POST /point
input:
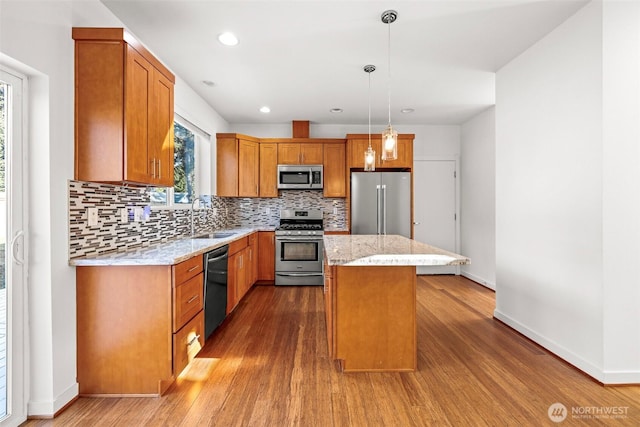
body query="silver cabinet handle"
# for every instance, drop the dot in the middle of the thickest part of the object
(192, 269)
(14, 248)
(416, 223)
(192, 299)
(159, 169)
(193, 340)
(153, 168)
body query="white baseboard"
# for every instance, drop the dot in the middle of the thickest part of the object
(605, 377)
(479, 280)
(48, 408)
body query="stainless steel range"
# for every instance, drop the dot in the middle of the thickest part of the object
(299, 248)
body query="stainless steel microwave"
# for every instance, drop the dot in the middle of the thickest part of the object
(300, 177)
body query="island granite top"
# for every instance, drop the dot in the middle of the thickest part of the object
(381, 250)
(168, 253)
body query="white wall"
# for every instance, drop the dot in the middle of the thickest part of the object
(567, 199)
(478, 198)
(37, 34)
(621, 191)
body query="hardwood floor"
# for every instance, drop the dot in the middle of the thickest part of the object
(268, 366)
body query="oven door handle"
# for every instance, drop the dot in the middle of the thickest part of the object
(299, 274)
(300, 239)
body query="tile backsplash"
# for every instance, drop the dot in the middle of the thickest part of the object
(162, 225)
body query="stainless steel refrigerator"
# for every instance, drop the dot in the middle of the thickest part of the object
(381, 203)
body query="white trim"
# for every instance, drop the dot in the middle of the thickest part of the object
(479, 280)
(48, 408)
(191, 126)
(17, 344)
(605, 377)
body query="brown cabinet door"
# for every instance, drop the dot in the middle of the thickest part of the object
(161, 121)
(252, 260)
(233, 278)
(269, 170)
(266, 255)
(248, 168)
(227, 167)
(405, 155)
(138, 97)
(99, 111)
(311, 154)
(334, 170)
(328, 306)
(358, 148)
(289, 154)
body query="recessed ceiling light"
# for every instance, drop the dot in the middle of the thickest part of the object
(228, 39)
(336, 110)
(265, 109)
(407, 110)
(208, 83)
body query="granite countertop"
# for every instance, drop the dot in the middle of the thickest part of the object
(168, 253)
(359, 250)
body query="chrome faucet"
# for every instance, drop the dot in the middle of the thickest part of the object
(196, 199)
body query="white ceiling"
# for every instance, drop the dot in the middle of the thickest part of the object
(302, 58)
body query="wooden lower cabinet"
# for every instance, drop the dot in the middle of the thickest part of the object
(266, 256)
(187, 342)
(242, 269)
(371, 317)
(137, 326)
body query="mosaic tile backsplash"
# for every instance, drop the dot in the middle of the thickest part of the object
(162, 225)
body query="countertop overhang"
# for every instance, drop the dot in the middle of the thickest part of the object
(168, 253)
(389, 250)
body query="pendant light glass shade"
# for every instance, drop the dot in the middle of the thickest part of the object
(389, 144)
(389, 136)
(369, 154)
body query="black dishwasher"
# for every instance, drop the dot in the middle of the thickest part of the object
(215, 289)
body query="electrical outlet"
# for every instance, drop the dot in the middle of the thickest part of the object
(124, 215)
(335, 211)
(137, 213)
(267, 211)
(215, 211)
(92, 217)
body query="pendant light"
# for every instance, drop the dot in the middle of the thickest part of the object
(389, 135)
(370, 154)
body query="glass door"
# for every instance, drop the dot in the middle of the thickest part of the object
(13, 358)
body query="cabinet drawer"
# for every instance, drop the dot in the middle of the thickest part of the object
(238, 245)
(187, 300)
(187, 342)
(186, 270)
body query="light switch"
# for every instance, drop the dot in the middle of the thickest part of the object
(124, 215)
(92, 217)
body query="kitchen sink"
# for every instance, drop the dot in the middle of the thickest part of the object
(216, 235)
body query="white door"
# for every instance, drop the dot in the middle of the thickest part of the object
(435, 213)
(13, 358)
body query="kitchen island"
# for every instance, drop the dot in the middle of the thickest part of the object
(370, 299)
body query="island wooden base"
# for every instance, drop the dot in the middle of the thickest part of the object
(371, 317)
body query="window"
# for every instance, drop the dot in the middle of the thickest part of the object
(191, 166)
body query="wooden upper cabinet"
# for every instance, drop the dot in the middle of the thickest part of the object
(237, 166)
(268, 170)
(334, 163)
(123, 110)
(292, 153)
(358, 144)
(248, 167)
(162, 125)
